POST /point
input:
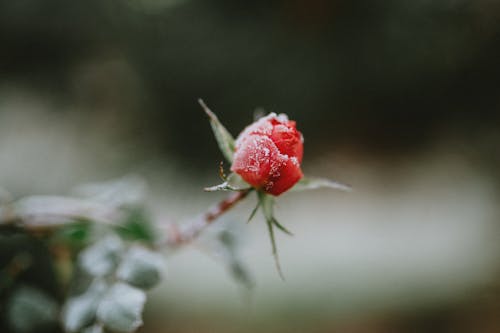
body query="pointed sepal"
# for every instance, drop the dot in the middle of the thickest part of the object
(313, 183)
(233, 182)
(224, 139)
(266, 202)
(254, 211)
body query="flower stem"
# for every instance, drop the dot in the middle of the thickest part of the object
(180, 235)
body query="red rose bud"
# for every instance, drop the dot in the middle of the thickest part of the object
(268, 154)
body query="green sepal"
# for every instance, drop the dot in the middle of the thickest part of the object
(267, 203)
(281, 227)
(254, 211)
(222, 135)
(233, 182)
(313, 183)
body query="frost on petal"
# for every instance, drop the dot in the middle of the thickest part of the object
(288, 140)
(256, 159)
(268, 154)
(289, 174)
(262, 127)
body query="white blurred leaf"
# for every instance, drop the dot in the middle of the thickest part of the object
(130, 190)
(102, 257)
(141, 267)
(80, 310)
(121, 309)
(54, 210)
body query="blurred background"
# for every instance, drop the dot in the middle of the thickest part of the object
(400, 99)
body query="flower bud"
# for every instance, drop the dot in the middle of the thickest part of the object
(268, 154)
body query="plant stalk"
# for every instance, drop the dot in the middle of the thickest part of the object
(180, 235)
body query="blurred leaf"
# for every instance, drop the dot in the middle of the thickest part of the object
(126, 191)
(141, 268)
(80, 311)
(93, 329)
(31, 310)
(229, 244)
(40, 211)
(241, 274)
(76, 235)
(137, 226)
(102, 257)
(223, 137)
(308, 183)
(228, 240)
(121, 308)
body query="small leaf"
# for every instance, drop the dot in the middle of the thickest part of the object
(316, 183)
(80, 310)
(31, 310)
(102, 257)
(223, 137)
(121, 309)
(141, 268)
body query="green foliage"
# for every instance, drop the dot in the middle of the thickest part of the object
(120, 271)
(31, 310)
(93, 329)
(137, 225)
(76, 235)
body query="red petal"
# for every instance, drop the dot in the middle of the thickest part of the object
(256, 159)
(288, 140)
(288, 175)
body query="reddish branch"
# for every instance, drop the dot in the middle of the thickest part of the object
(180, 235)
(47, 213)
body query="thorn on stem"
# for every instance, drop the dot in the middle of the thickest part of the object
(222, 174)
